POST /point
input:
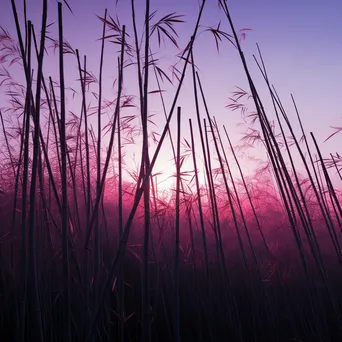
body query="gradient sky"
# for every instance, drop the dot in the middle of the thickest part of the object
(300, 41)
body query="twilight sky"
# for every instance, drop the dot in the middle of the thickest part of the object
(300, 41)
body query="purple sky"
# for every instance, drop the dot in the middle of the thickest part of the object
(300, 42)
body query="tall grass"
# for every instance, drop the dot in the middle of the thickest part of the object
(90, 255)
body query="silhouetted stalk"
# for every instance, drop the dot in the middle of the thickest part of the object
(206, 160)
(216, 216)
(83, 85)
(140, 79)
(57, 129)
(64, 182)
(24, 218)
(189, 210)
(98, 178)
(86, 277)
(160, 276)
(121, 284)
(33, 281)
(46, 240)
(176, 271)
(83, 176)
(204, 238)
(26, 27)
(79, 148)
(146, 319)
(203, 233)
